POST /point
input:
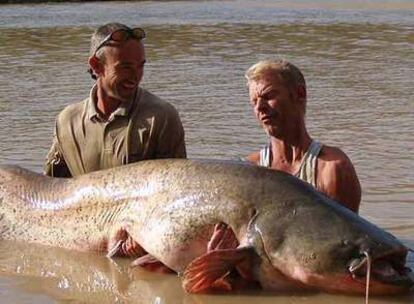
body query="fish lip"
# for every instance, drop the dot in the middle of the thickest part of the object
(387, 268)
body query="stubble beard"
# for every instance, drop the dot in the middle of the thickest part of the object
(271, 131)
(123, 98)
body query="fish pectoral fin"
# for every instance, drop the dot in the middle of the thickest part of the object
(223, 237)
(209, 271)
(122, 244)
(114, 249)
(149, 262)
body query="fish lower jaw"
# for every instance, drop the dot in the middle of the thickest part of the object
(385, 285)
(349, 284)
(387, 271)
(273, 278)
(300, 279)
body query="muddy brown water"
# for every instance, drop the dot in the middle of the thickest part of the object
(357, 57)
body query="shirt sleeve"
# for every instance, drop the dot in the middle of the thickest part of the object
(55, 165)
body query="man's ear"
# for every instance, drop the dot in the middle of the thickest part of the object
(95, 65)
(301, 92)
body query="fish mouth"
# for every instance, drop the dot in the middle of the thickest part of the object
(386, 269)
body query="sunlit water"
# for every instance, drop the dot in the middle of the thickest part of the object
(357, 58)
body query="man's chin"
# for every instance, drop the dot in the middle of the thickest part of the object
(270, 130)
(126, 95)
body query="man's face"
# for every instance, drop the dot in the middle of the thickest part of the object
(122, 70)
(275, 104)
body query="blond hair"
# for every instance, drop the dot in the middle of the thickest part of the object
(286, 71)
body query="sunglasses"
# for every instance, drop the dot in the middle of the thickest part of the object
(122, 35)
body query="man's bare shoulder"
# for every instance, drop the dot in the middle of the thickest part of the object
(334, 165)
(337, 177)
(333, 156)
(253, 158)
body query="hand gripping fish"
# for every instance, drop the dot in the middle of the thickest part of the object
(220, 225)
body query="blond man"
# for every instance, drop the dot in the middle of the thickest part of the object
(277, 92)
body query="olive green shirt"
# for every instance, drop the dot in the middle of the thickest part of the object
(146, 128)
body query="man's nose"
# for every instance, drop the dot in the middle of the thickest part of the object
(261, 104)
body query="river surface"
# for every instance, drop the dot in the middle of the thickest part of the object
(357, 57)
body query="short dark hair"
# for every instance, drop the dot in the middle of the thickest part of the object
(102, 32)
(98, 36)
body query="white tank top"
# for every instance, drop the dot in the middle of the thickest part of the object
(307, 170)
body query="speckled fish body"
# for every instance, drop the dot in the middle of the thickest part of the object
(171, 206)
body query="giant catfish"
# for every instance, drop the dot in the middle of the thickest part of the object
(289, 236)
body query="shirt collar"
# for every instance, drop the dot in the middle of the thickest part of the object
(123, 110)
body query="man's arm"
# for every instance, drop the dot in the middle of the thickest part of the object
(55, 165)
(337, 178)
(253, 158)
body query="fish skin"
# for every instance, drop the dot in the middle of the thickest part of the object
(170, 208)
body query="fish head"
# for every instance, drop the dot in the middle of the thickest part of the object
(327, 248)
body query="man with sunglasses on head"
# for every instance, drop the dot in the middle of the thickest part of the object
(120, 122)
